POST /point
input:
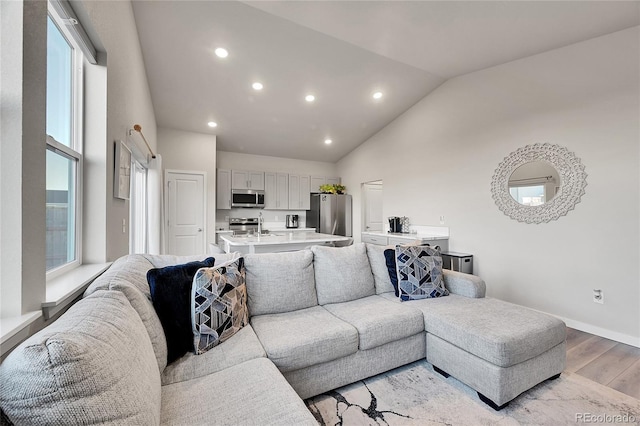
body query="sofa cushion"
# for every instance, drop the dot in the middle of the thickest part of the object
(128, 275)
(218, 304)
(305, 337)
(377, 320)
(342, 273)
(95, 364)
(171, 294)
(381, 279)
(251, 393)
(419, 271)
(499, 332)
(241, 347)
(280, 282)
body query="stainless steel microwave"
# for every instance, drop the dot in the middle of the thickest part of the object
(247, 198)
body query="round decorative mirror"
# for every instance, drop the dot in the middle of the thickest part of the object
(538, 183)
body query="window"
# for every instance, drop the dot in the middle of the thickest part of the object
(138, 209)
(533, 195)
(64, 149)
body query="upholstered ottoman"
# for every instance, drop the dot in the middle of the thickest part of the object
(497, 348)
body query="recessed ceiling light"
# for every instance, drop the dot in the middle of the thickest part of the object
(257, 86)
(221, 52)
(309, 98)
(212, 124)
(328, 141)
(377, 95)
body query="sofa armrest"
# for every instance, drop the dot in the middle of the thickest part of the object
(464, 284)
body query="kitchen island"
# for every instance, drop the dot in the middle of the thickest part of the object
(278, 241)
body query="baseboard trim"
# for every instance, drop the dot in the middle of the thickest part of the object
(602, 332)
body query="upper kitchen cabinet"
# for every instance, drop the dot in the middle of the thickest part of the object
(334, 181)
(223, 186)
(276, 191)
(243, 179)
(299, 192)
(317, 181)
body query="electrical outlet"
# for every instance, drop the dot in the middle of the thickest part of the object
(276, 218)
(124, 226)
(598, 296)
(442, 220)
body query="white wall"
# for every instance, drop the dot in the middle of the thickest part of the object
(128, 103)
(190, 151)
(438, 158)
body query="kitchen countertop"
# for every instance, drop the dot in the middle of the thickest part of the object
(420, 235)
(278, 241)
(272, 229)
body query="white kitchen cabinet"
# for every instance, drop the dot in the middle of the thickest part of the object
(316, 181)
(384, 239)
(243, 179)
(282, 191)
(299, 192)
(333, 181)
(305, 193)
(223, 189)
(374, 239)
(276, 191)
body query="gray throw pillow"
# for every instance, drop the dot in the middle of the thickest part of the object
(342, 273)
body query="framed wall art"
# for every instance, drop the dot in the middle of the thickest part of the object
(122, 171)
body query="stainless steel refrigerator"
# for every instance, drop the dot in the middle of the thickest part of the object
(330, 214)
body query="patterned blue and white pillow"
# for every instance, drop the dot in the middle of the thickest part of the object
(419, 270)
(218, 304)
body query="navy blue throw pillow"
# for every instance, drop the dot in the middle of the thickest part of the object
(390, 259)
(171, 295)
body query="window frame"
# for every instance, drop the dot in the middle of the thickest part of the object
(134, 207)
(75, 150)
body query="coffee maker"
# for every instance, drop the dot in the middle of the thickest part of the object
(292, 221)
(395, 224)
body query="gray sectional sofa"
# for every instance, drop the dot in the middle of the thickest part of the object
(319, 319)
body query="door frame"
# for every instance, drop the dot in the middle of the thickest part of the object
(364, 202)
(165, 188)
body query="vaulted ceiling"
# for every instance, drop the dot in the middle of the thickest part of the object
(342, 52)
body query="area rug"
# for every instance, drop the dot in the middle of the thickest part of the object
(417, 395)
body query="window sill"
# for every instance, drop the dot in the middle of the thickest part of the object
(15, 329)
(63, 290)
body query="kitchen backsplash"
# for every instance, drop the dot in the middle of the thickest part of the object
(272, 219)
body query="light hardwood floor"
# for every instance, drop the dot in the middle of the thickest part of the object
(605, 361)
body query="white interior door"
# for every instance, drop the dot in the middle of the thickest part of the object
(372, 206)
(186, 201)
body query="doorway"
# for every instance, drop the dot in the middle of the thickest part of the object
(372, 206)
(185, 207)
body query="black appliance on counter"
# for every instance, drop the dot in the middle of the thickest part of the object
(395, 224)
(292, 221)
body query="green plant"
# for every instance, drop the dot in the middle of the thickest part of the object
(332, 189)
(327, 189)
